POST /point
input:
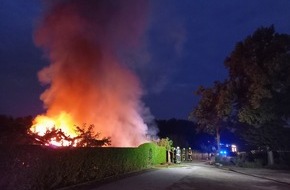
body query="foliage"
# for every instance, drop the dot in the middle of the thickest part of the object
(41, 167)
(165, 142)
(54, 133)
(251, 160)
(213, 108)
(156, 154)
(256, 93)
(259, 73)
(274, 137)
(14, 130)
(183, 133)
(86, 137)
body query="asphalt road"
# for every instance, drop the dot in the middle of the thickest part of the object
(190, 176)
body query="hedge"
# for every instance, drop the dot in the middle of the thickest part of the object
(39, 167)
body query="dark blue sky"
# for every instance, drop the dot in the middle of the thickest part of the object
(185, 45)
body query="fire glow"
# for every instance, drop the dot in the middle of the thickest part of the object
(87, 79)
(63, 122)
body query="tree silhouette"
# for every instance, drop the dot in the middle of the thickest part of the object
(87, 138)
(256, 94)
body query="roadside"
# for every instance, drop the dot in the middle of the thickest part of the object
(98, 183)
(280, 176)
(193, 175)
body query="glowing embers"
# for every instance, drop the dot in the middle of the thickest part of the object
(61, 131)
(57, 131)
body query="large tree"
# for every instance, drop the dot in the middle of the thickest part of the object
(257, 90)
(259, 73)
(213, 109)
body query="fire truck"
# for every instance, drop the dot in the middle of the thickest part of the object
(228, 149)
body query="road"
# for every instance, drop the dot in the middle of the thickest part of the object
(190, 176)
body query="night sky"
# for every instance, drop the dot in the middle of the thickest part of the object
(184, 47)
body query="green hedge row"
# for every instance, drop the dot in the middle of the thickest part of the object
(36, 167)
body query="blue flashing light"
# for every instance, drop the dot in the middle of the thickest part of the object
(223, 152)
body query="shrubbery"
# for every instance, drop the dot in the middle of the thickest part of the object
(39, 167)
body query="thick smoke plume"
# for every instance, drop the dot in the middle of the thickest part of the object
(87, 78)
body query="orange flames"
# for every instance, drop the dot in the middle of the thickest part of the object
(63, 122)
(88, 80)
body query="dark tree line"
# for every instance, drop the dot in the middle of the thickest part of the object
(255, 97)
(186, 134)
(181, 132)
(14, 130)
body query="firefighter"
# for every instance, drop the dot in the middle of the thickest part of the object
(173, 156)
(189, 154)
(183, 154)
(178, 155)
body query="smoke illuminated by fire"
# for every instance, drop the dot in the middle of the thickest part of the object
(87, 81)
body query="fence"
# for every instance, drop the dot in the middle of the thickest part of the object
(200, 156)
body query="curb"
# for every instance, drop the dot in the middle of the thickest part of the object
(257, 176)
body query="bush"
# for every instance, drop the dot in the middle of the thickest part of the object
(252, 160)
(39, 167)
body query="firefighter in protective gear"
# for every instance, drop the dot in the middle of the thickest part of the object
(189, 154)
(178, 155)
(173, 157)
(183, 155)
